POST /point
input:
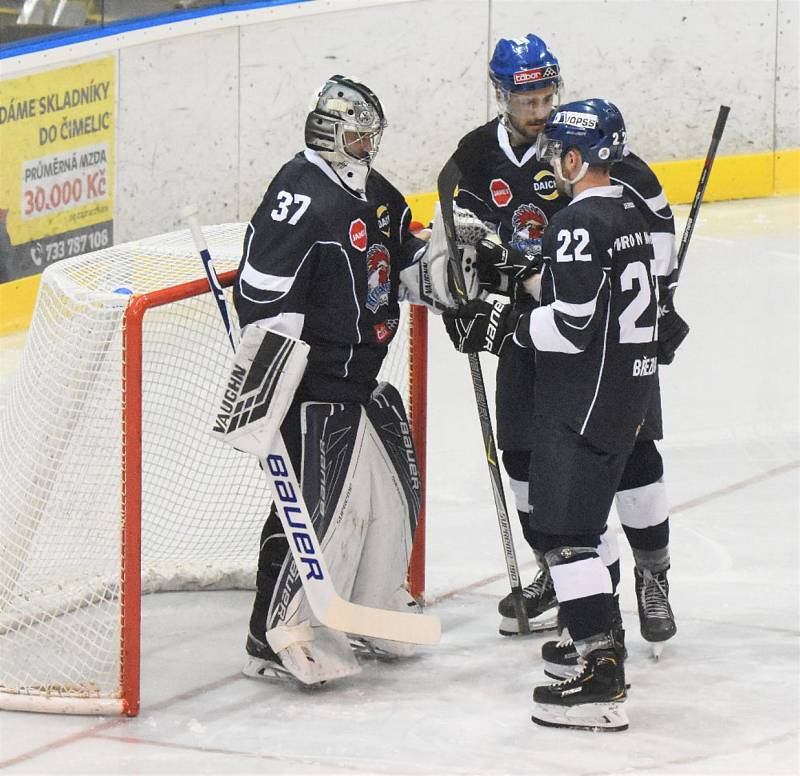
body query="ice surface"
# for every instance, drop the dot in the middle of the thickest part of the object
(724, 697)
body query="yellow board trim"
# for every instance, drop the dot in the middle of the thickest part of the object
(734, 177)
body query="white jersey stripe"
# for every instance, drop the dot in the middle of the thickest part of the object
(580, 579)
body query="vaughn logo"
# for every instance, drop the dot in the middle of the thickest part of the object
(500, 191)
(574, 119)
(358, 235)
(535, 74)
(377, 277)
(382, 214)
(528, 222)
(544, 184)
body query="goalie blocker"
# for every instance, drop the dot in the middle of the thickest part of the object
(267, 369)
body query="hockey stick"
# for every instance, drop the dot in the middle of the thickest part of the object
(326, 604)
(705, 173)
(446, 184)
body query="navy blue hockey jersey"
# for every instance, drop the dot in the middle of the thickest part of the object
(595, 332)
(322, 264)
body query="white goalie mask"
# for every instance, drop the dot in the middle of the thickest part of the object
(345, 125)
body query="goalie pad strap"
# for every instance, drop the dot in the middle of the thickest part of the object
(281, 636)
(267, 369)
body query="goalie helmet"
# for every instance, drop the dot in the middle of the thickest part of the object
(345, 125)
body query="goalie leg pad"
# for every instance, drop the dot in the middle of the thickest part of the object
(394, 508)
(267, 369)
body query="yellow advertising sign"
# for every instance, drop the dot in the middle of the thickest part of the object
(56, 165)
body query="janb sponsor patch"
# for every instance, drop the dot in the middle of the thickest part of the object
(358, 235)
(500, 191)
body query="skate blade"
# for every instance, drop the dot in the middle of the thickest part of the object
(258, 668)
(510, 627)
(368, 651)
(656, 648)
(593, 717)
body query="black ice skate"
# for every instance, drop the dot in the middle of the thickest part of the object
(588, 701)
(656, 620)
(540, 599)
(561, 659)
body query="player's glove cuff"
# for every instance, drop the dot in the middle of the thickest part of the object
(507, 260)
(479, 325)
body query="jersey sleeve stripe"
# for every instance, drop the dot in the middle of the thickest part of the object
(290, 324)
(263, 281)
(664, 250)
(545, 334)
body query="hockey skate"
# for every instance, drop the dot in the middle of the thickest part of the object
(262, 662)
(587, 701)
(561, 659)
(540, 599)
(656, 620)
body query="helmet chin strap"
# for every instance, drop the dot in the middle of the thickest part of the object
(569, 183)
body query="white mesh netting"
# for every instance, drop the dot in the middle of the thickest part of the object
(203, 504)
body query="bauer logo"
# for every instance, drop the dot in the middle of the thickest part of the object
(534, 74)
(573, 119)
(358, 235)
(544, 184)
(500, 191)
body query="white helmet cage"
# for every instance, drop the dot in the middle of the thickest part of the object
(341, 106)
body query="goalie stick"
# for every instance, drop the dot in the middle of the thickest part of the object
(705, 173)
(446, 184)
(326, 604)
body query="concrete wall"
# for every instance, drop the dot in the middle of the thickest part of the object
(210, 116)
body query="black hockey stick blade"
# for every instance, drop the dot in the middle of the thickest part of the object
(446, 184)
(705, 173)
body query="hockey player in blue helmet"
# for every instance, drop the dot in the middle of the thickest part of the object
(517, 195)
(527, 82)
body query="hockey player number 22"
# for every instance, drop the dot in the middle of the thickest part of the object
(628, 330)
(285, 199)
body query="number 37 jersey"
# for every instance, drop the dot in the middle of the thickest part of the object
(595, 333)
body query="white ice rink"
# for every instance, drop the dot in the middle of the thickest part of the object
(724, 697)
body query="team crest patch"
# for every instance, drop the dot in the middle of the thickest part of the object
(384, 332)
(358, 234)
(377, 277)
(528, 222)
(544, 184)
(500, 191)
(382, 214)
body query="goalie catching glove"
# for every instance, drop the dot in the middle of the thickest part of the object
(479, 325)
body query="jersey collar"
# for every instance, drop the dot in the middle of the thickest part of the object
(318, 161)
(598, 191)
(505, 146)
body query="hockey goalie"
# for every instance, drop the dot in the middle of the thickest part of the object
(327, 257)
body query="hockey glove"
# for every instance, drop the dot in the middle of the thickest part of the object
(479, 325)
(672, 330)
(501, 265)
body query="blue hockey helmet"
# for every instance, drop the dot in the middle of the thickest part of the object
(519, 65)
(595, 127)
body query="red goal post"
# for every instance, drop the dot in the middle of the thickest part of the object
(114, 486)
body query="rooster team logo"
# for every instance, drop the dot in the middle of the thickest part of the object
(358, 234)
(528, 222)
(500, 191)
(377, 277)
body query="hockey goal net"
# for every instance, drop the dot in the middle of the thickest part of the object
(111, 484)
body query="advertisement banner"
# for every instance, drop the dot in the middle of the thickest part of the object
(56, 166)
